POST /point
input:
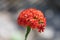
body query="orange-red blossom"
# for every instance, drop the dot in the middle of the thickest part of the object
(33, 18)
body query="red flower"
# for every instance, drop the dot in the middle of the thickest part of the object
(33, 18)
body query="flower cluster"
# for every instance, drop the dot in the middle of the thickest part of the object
(33, 18)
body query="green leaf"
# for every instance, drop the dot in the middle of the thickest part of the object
(27, 32)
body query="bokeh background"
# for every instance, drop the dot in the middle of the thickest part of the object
(10, 30)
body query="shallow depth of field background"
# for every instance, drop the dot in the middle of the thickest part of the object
(10, 30)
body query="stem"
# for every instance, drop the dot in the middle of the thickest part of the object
(27, 32)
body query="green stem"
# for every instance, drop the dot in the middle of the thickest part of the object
(27, 32)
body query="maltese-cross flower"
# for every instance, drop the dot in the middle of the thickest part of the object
(32, 19)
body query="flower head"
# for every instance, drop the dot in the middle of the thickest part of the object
(33, 18)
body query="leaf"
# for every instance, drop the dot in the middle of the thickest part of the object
(27, 32)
